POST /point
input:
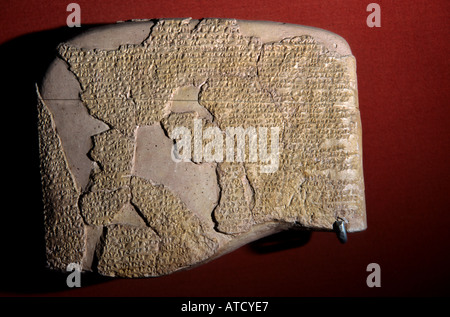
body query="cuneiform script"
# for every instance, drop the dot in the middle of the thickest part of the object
(226, 79)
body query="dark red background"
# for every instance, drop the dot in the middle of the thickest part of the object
(403, 78)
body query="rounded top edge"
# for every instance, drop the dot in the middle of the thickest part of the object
(111, 36)
(136, 31)
(271, 31)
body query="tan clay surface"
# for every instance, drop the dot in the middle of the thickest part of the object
(109, 108)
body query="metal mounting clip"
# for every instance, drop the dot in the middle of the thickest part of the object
(339, 228)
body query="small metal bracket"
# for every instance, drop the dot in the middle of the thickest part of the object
(340, 229)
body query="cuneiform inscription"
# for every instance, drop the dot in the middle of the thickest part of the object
(209, 73)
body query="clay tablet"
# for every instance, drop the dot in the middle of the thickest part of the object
(165, 144)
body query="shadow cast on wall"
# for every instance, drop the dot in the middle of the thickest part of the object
(284, 240)
(24, 61)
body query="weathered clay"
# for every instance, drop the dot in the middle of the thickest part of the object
(119, 184)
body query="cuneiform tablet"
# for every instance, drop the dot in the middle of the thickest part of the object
(167, 143)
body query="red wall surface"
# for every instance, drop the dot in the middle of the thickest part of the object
(403, 80)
